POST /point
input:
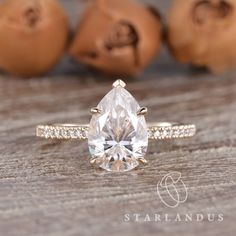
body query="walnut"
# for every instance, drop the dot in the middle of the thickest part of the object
(117, 37)
(33, 35)
(203, 32)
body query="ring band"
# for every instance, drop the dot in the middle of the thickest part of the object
(161, 131)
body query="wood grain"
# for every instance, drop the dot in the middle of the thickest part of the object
(49, 188)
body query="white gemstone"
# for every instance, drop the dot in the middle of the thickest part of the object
(72, 133)
(117, 137)
(157, 134)
(164, 133)
(57, 133)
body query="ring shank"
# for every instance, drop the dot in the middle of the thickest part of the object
(166, 130)
(156, 131)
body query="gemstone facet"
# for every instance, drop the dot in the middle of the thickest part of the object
(117, 136)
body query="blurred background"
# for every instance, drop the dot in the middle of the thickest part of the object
(163, 65)
(49, 188)
(159, 65)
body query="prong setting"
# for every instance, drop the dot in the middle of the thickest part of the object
(143, 160)
(93, 161)
(95, 111)
(142, 111)
(119, 82)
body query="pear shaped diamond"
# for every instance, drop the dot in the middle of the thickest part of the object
(117, 136)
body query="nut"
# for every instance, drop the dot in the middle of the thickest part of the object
(203, 32)
(33, 35)
(117, 37)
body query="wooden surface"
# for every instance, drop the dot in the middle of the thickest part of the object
(49, 188)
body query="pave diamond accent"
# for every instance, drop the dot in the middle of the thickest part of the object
(169, 131)
(117, 136)
(62, 132)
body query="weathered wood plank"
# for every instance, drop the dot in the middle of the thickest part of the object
(49, 188)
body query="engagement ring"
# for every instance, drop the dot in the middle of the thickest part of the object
(118, 133)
